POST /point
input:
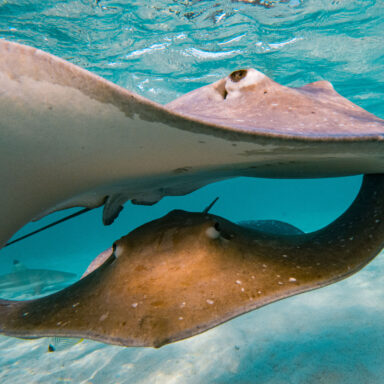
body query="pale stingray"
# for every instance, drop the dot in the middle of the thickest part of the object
(187, 272)
(70, 138)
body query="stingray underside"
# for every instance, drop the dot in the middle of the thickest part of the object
(70, 138)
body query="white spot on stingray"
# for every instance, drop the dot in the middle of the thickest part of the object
(182, 305)
(351, 238)
(252, 277)
(280, 283)
(292, 279)
(65, 323)
(25, 313)
(238, 282)
(209, 301)
(75, 305)
(259, 292)
(285, 256)
(242, 289)
(264, 265)
(104, 316)
(181, 318)
(212, 233)
(134, 305)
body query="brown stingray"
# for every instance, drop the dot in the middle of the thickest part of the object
(187, 272)
(70, 138)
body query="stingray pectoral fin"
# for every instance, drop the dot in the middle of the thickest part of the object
(70, 138)
(112, 208)
(187, 272)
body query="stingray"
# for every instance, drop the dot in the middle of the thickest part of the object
(70, 138)
(187, 272)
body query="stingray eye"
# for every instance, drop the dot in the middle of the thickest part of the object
(238, 75)
(216, 231)
(115, 251)
(118, 249)
(221, 232)
(213, 232)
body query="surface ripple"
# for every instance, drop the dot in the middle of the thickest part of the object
(163, 49)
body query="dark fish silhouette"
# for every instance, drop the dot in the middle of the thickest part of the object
(271, 226)
(30, 279)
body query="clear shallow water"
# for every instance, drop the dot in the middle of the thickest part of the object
(162, 50)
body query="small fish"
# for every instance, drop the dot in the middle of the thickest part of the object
(59, 344)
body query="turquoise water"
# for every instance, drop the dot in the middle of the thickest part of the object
(162, 49)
